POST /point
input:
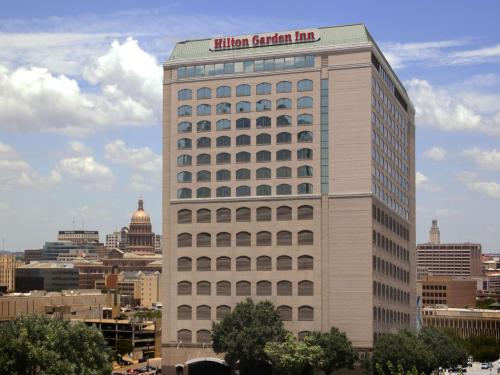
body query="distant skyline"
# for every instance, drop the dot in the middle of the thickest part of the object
(80, 105)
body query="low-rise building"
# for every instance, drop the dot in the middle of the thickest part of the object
(8, 265)
(449, 291)
(78, 236)
(32, 255)
(48, 276)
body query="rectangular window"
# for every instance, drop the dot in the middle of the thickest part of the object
(209, 70)
(228, 68)
(190, 71)
(269, 64)
(279, 64)
(289, 62)
(219, 69)
(249, 66)
(181, 72)
(238, 67)
(259, 65)
(199, 70)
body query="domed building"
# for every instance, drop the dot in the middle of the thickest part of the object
(141, 238)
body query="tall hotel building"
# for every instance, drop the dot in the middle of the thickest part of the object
(289, 163)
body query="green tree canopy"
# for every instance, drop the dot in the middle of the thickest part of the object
(243, 333)
(446, 351)
(338, 350)
(47, 346)
(124, 347)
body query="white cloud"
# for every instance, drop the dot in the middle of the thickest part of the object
(422, 182)
(86, 212)
(488, 159)
(435, 153)
(77, 148)
(87, 172)
(475, 56)
(473, 182)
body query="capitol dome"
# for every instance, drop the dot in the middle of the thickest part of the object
(140, 216)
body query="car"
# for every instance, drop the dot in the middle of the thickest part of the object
(132, 371)
(143, 369)
(485, 366)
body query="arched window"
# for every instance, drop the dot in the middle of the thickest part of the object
(223, 215)
(284, 86)
(305, 171)
(305, 189)
(204, 336)
(283, 137)
(223, 191)
(223, 264)
(284, 263)
(203, 288)
(284, 238)
(283, 189)
(243, 90)
(203, 240)
(306, 288)
(184, 127)
(184, 144)
(184, 94)
(306, 313)
(183, 193)
(285, 313)
(203, 264)
(203, 142)
(263, 156)
(305, 85)
(304, 154)
(184, 176)
(203, 159)
(223, 108)
(284, 288)
(264, 263)
(203, 192)
(263, 214)
(184, 312)
(305, 136)
(283, 155)
(263, 88)
(203, 126)
(263, 122)
(264, 288)
(184, 216)
(223, 124)
(284, 172)
(184, 264)
(264, 238)
(284, 213)
(184, 288)
(204, 110)
(243, 157)
(243, 174)
(184, 110)
(223, 239)
(184, 240)
(243, 107)
(305, 237)
(263, 190)
(223, 141)
(223, 288)
(243, 123)
(305, 213)
(223, 175)
(243, 214)
(243, 288)
(184, 160)
(283, 103)
(284, 120)
(243, 140)
(185, 336)
(223, 158)
(204, 93)
(243, 263)
(305, 119)
(263, 173)
(243, 239)
(263, 139)
(221, 311)
(223, 91)
(263, 105)
(305, 102)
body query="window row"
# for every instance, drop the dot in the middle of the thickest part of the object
(390, 223)
(244, 214)
(245, 90)
(389, 269)
(243, 288)
(390, 293)
(244, 263)
(244, 174)
(246, 140)
(391, 317)
(390, 246)
(244, 191)
(248, 66)
(262, 238)
(241, 157)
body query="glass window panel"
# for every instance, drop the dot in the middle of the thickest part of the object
(238, 67)
(209, 70)
(259, 65)
(219, 69)
(228, 68)
(289, 62)
(279, 63)
(248, 66)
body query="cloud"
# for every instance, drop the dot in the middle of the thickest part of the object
(476, 56)
(474, 183)
(86, 212)
(435, 153)
(422, 182)
(90, 174)
(487, 159)
(77, 148)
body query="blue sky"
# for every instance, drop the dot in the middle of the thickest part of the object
(80, 95)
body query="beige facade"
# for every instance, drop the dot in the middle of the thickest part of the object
(304, 195)
(8, 265)
(445, 290)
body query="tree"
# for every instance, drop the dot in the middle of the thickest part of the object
(293, 356)
(243, 333)
(42, 345)
(446, 352)
(338, 350)
(483, 348)
(124, 347)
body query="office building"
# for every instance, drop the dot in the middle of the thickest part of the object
(51, 250)
(117, 240)
(8, 265)
(48, 276)
(32, 255)
(288, 175)
(448, 291)
(78, 236)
